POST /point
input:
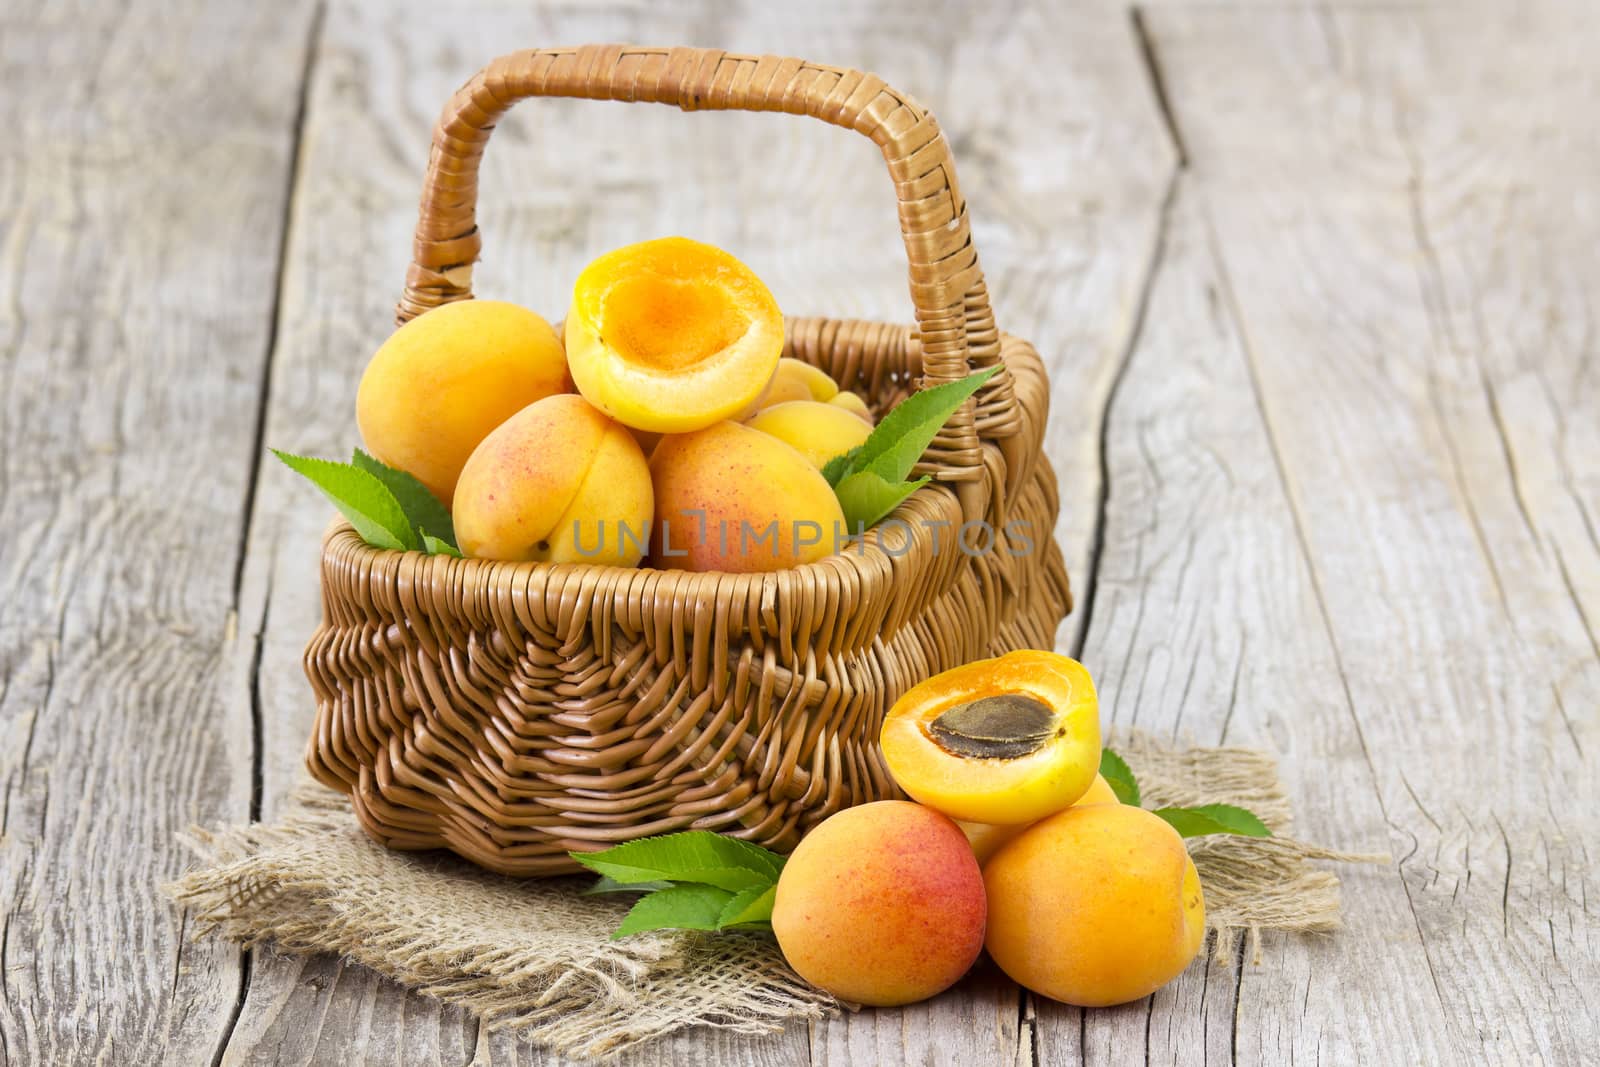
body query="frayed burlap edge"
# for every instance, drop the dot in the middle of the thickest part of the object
(536, 957)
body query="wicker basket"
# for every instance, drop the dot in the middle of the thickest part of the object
(513, 712)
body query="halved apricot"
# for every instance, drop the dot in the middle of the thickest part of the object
(672, 335)
(1006, 740)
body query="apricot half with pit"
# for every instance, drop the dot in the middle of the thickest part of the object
(1006, 740)
(672, 335)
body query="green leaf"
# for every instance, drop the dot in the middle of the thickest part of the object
(423, 509)
(361, 497)
(693, 856)
(836, 468)
(865, 497)
(1214, 819)
(1114, 769)
(899, 440)
(677, 907)
(749, 907)
(603, 885)
(437, 547)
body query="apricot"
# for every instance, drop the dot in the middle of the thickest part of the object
(986, 838)
(795, 379)
(1007, 740)
(558, 482)
(854, 405)
(1094, 906)
(729, 498)
(816, 430)
(442, 381)
(672, 335)
(881, 904)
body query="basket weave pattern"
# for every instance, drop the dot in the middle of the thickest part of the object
(513, 712)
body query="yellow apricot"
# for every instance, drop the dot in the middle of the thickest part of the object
(854, 405)
(1094, 906)
(1006, 740)
(672, 335)
(442, 381)
(729, 498)
(986, 838)
(558, 482)
(796, 379)
(816, 430)
(881, 904)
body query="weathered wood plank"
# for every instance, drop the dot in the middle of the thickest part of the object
(143, 176)
(1405, 231)
(1207, 626)
(1065, 177)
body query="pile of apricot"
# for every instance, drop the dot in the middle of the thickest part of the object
(666, 411)
(1012, 842)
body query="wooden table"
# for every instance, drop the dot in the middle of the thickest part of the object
(1317, 286)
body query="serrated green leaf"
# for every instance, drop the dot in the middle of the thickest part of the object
(899, 440)
(422, 509)
(865, 497)
(604, 885)
(677, 907)
(360, 496)
(436, 547)
(749, 907)
(836, 468)
(1119, 776)
(1214, 819)
(693, 856)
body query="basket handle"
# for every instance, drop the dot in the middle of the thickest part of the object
(954, 322)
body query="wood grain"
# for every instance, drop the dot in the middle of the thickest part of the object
(1406, 235)
(138, 254)
(1207, 627)
(1065, 201)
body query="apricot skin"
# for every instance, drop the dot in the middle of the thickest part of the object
(816, 430)
(557, 483)
(1094, 906)
(729, 498)
(881, 904)
(986, 838)
(442, 381)
(854, 405)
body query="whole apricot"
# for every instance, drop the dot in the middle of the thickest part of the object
(442, 381)
(672, 335)
(816, 430)
(881, 904)
(795, 379)
(986, 838)
(854, 405)
(558, 482)
(729, 498)
(1094, 906)
(1006, 740)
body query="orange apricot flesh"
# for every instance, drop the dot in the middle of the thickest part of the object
(1006, 740)
(671, 335)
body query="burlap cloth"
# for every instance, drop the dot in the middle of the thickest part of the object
(536, 956)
